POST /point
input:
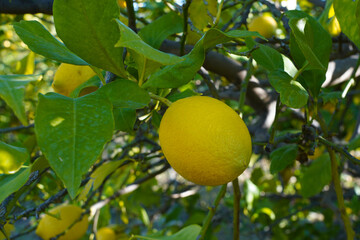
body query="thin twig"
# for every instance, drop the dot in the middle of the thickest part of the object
(131, 15)
(185, 9)
(12, 129)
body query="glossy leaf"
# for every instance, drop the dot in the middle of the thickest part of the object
(316, 176)
(157, 31)
(126, 94)
(283, 157)
(12, 90)
(12, 183)
(131, 40)
(12, 158)
(348, 14)
(292, 93)
(312, 39)
(199, 15)
(81, 126)
(39, 40)
(87, 28)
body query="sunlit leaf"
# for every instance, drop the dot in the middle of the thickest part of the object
(42, 42)
(12, 158)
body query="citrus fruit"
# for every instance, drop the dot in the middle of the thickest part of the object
(68, 77)
(105, 233)
(8, 229)
(121, 3)
(204, 140)
(59, 220)
(264, 24)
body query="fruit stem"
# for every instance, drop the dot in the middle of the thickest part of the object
(336, 179)
(165, 101)
(236, 220)
(211, 213)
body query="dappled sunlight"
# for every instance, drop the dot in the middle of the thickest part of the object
(56, 121)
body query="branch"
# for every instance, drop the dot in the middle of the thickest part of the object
(26, 6)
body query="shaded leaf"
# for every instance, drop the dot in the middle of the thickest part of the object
(39, 40)
(12, 90)
(87, 28)
(126, 94)
(283, 157)
(316, 176)
(157, 31)
(12, 183)
(81, 126)
(98, 176)
(125, 119)
(189, 233)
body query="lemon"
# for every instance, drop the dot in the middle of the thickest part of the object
(205, 141)
(264, 24)
(105, 233)
(68, 77)
(121, 3)
(8, 229)
(62, 217)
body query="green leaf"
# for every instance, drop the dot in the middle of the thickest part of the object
(291, 92)
(12, 183)
(313, 80)
(126, 94)
(12, 90)
(157, 31)
(176, 75)
(156, 119)
(283, 157)
(124, 119)
(39, 40)
(12, 158)
(266, 56)
(98, 176)
(354, 143)
(316, 176)
(72, 132)
(312, 39)
(348, 14)
(131, 40)
(189, 233)
(87, 28)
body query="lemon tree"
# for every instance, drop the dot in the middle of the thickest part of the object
(205, 141)
(176, 119)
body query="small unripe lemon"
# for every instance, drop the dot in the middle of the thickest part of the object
(105, 233)
(264, 24)
(205, 140)
(63, 217)
(68, 77)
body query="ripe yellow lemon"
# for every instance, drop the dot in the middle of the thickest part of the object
(205, 140)
(264, 24)
(105, 233)
(62, 218)
(68, 77)
(8, 229)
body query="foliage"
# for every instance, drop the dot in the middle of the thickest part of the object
(100, 149)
